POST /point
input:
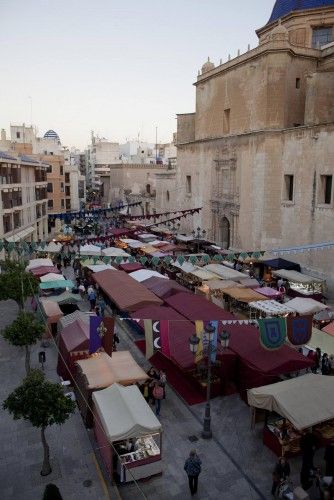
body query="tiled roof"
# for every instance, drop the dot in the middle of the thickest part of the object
(284, 7)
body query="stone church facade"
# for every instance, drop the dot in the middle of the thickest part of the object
(258, 153)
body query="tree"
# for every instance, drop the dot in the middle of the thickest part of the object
(16, 283)
(43, 403)
(24, 332)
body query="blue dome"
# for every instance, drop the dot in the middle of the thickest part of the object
(51, 134)
(284, 7)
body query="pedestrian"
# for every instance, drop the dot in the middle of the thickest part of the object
(163, 381)
(158, 394)
(146, 391)
(329, 458)
(102, 305)
(280, 473)
(331, 363)
(52, 492)
(192, 467)
(325, 365)
(318, 358)
(82, 290)
(92, 299)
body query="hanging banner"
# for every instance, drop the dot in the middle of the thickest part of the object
(272, 332)
(95, 337)
(299, 329)
(199, 326)
(108, 337)
(148, 326)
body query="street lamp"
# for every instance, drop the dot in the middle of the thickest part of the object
(194, 341)
(198, 234)
(173, 228)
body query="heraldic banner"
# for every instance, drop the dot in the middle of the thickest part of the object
(272, 332)
(299, 329)
(95, 339)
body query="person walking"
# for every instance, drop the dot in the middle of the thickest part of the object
(163, 381)
(281, 473)
(325, 366)
(158, 394)
(102, 305)
(92, 299)
(192, 466)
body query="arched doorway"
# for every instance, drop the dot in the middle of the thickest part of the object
(225, 233)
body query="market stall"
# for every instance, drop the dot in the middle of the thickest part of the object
(100, 371)
(51, 277)
(51, 247)
(130, 267)
(127, 432)
(163, 288)
(73, 344)
(225, 273)
(269, 293)
(302, 285)
(249, 283)
(114, 252)
(96, 268)
(56, 285)
(123, 291)
(291, 407)
(322, 340)
(306, 306)
(195, 307)
(239, 298)
(268, 308)
(145, 274)
(42, 270)
(34, 263)
(200, 274)
(214, 290)
(71, 318)
(51, 313)
(88, 249)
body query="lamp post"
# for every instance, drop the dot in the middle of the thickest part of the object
(198, 234)
(194, 341)
(173, 228)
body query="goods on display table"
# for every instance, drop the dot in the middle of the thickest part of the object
(265, 308)
(302, 285)
(127, 432)
(292, 407)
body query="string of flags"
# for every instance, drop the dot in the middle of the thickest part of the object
(95, 212)
(163, 214)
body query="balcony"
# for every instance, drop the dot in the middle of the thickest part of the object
(11, 199)
(10, 175)
(40, 176)
(40, 193)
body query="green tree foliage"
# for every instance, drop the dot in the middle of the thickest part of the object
(43, 403)
(24, 332)
(16, 283)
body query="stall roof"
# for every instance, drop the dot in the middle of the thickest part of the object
(124, 291)
(61, 283)
(186, 267)
(117, 231)
(145, 274)
(203, 274)
(281, 264)
(130, 267)
(244, 294)
(149, 249)
(132, 243)
(65, 298)
(225, 272)
(84, 317)
(329, 328)
(268, 292)
(42, 270)
(323, 340)
(271, 307)
(124, 413)
(51, 247)
(34, 263)
(185, 239)
(76, 336)
(305, 401)
(163, 288)
(296, 277)
(249, 282)
(156, 313)
(90, 250)
(306, 306)
(221, 284)
(91, 262)
(114, 252)
(51, 277)
(96, 268)
(51, 310)
(102, 371)
(195, 307)
(245, 343)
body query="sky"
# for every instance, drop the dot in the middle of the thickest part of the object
(119, 68)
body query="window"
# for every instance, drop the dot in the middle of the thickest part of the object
(321, 36)
(326, 184)
(148, 188)
(62, 203)
(50, 204)
(18, 135)
(50, 187)
(167, 195)
(188, 184)
(62, 187)
(226, 122)
(67, 177)
(61, 169)
(297, 83)
(49, 169)
(68, 204)
(288, 188)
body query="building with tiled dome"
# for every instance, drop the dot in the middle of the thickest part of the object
(258, 153)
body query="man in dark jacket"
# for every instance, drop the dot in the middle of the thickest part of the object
(192, 467)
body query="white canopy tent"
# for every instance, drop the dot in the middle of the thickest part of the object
(184, 238)
(51, 277)
(100, 267)
(204, 274)
(33, 263)
(145, 274)
(132, 243)
(114, 252)
(90, 250)
(124, 413)
(296, 277)
(225, 273)
(305, 401)
(51, 247)
(306, 306)
(271, 307)
(186, 267)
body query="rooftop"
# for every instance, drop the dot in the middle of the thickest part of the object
(284, 7)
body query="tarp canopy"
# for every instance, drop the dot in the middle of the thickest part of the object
(221, 284)
(281, 264)
(33, 263)
(124, 291)
(325, 315)
(132, 243)
(186, 267)
(51, 277)
(196, 307)
(75, 336)
(65, 298)
(268, 292)
(203, 274)
(102, 371)
(225, 272)
(329, 328)
(163, 288)
(51, 247)
(51, 310)
(130, 267)
(90, 250)
(118, 231)
(145, 274)
(48, 285)
(114, 252)
(156, 313)
(41, 271)
(323, 340)
(147, 237)
(297, 277)
(271, 307)
(85, 262)
(124, 413)
(100, 267)
(84, 317)
(149, 250)
(244, 294)
(306, 306)
(305, 401)
(249, 282)
(185, 239)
